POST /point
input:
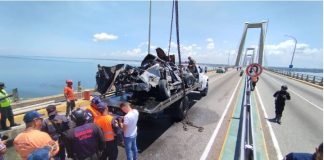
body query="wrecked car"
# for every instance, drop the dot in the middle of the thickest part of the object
(157, 76)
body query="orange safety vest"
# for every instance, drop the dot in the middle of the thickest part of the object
(254, 79)
(105, 123)
(93, 111)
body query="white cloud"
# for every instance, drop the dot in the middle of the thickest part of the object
(305, 56)
(210, 43)
(104, 37)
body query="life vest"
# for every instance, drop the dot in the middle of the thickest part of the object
(93, 111)
(105, 123)
(254, 79)
(5, 102)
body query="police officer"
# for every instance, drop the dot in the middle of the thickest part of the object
(281, 97)
(55, 125)
(5, 108)
(86, 140)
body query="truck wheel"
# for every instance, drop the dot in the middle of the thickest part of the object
(164, 90)
(205, 91)
(180, 109)
(189, 81)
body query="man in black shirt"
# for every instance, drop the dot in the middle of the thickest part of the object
(281, 97)
(55, 125)
(86, 140)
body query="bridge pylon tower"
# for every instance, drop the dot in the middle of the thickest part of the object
(262, 26)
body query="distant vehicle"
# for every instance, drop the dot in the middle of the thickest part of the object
(220, 70)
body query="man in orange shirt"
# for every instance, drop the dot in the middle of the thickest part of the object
(69, 96)
(32, 138)
(107, 123)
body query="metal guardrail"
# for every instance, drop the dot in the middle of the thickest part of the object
(305, 77)
(247, 149)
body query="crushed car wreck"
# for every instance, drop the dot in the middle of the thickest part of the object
(153, 86)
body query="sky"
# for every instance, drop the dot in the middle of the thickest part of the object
(210, 31)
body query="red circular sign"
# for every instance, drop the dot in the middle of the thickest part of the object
(253, 70)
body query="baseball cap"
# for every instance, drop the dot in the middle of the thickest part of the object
(40, 153)
(31, 115)
(96, 100)
(51, 110)
(102, 106)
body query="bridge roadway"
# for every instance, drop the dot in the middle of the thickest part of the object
(302, 128)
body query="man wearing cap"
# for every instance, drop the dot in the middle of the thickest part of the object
(107, 123)
(69, 96)
(32, 138)
(92, 109)
(55, 125)
(5, 108)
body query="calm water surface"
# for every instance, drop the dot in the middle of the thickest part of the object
(40, 76)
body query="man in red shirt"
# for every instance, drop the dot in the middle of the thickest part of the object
(69, 95)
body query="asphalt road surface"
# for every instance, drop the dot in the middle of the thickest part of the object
(163, 139)
(160, 138)
(302, 122)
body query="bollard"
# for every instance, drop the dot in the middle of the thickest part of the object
(15, 95)
(79, 86)
(321, 83)
(314, 80)
(306, 78)
(301, 77)
(293, 76)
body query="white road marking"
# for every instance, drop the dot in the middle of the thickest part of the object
(300, 96)
(212, 138)
(273, 137)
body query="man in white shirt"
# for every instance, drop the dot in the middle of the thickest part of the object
(129, 126)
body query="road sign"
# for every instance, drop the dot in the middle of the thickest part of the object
(253, 70)
(291, 66)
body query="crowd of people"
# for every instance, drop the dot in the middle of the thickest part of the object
(85, 137)
(86, 133)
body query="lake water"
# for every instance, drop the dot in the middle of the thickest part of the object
(42, 76)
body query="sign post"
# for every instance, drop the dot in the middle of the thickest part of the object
(253, 70)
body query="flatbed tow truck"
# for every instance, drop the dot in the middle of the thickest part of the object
(177, 105)
(143, 89)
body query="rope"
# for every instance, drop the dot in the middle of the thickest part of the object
(171, 28)
(178, 43)
(149, 35)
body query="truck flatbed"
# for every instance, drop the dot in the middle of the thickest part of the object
(152, 106)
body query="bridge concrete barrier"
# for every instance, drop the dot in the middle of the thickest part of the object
(319, 86)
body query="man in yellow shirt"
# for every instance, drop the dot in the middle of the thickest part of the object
(32, 138)
(5, 108)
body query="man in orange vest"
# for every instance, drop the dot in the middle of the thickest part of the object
(254, 80)
(69, 95)
(106, 122)
(92, 109)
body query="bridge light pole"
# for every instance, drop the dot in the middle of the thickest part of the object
(291, 65)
